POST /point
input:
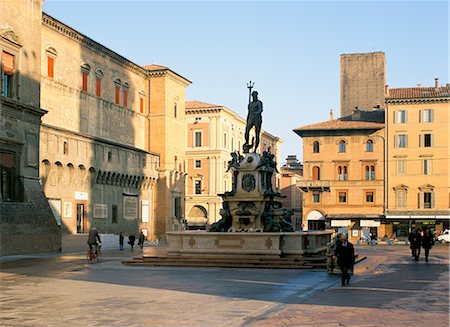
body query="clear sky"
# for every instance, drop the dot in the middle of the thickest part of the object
(291, 50)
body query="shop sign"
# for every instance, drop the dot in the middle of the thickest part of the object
(369, 223)
(340, 223)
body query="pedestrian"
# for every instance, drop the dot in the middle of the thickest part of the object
(415, 241)
(121, 241)
(141, 240)
(131, 240)
(427, 242)
(345, 253)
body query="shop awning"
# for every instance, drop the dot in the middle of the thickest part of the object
(341, 223)
(369, 223)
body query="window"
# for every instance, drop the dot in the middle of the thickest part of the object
(342, 146)
(198, 186)
(198, 164)
(369, 197)
(125, 97)
(425, 140)
(65, 148)
(400, 198)
(225, 136)
(98, 82)
(401, 140)
(109, 156)
(400, 167)
(141, 105)
(369, 172)
(114, 214)
(175, 110)
(198, 138)
(8, 73)
(316, 197)
(117, 94)
(369, 146)
(427, 116)
(84, 81)
(342, 173)
(401, 117)
(98, 87)
(51, 67)
(316, 173)
(316, 147)
(342, 196)
(232, 143)
(426, 165)
(427, 200)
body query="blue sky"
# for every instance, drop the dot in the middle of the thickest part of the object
(290, 49)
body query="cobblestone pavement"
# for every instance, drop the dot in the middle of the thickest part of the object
(63, 290)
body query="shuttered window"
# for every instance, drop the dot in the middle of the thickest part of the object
(51, 67)
(84, 81)
(98, 87)
(7, 63)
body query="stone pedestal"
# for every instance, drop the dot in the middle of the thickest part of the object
(247, 245)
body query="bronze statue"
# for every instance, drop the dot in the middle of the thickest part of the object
(254, 119)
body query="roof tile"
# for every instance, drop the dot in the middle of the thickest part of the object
(419, 92)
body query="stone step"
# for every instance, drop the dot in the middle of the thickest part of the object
(285, 263)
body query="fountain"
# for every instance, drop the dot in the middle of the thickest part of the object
(254, 223)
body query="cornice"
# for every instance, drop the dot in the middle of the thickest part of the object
(65, 30)
(417, 100)
(202, 111)
(166, 72)
(15, 104)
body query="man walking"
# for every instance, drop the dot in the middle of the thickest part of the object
(345, 253)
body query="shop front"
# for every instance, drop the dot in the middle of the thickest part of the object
(402, 225)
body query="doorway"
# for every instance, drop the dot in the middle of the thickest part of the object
(81, 218)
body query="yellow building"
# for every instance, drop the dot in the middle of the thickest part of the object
(291, 175)
(343, 174)
(213, 132)
(417, 137)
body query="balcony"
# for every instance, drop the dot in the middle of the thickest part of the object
(314, 185)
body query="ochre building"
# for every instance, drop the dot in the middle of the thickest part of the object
(417, 124)
(343, 174)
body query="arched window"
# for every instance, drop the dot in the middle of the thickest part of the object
(316, 147)
(369, 146)
(342, 146)
(316, 173)
(51, 56)
(345, 173)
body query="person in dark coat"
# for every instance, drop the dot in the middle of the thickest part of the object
(121, 241)
(345, 254)
(427, 242)
(141, 240)
(131, 240)
(93, 237)
(415, 240)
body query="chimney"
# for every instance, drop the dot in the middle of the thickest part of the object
(447, 85)
(331, 114)
(419, 85)
(436, 82)
(386, 90)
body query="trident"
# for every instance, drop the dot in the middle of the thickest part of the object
(250, 86)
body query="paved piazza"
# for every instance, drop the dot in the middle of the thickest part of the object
(388, 289)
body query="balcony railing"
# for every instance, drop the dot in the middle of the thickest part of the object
(314, 185)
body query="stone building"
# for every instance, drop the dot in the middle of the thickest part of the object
(291, 175)
(363, 78)
(343, 177)
(213, 132)
(26, 220)
(108, 141)
(417, 124)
